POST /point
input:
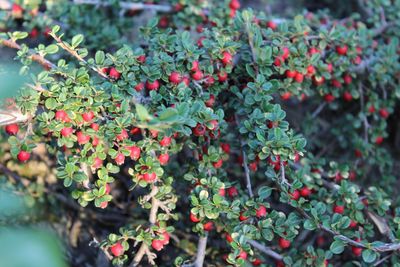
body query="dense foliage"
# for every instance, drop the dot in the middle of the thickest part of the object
(264, 140)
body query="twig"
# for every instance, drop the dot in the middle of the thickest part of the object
(382, 260)
(283, 176)
(201, 251)
(77, 56)
(318, 110)
(127, 5)
(266, 250)
(365, 120)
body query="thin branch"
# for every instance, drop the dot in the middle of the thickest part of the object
(318, 110)
(127, 5)
(31, 53)
(201, 251)
(266, 250)
(75, 54)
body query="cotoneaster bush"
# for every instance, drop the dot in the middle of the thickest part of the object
(265, 140)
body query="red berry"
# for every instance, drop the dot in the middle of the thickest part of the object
(120, 159)
(379, 140)
(214, 124)
(221, 192)
(290, 74)
(336, 83)
(175, 77)
(95, 126)
(232, 191)
(193, 218)
(338, 209)
(305, 192)
(242, 255)
(141, 58)
(195, 66)
(353, 224)
(82, 138)
(208, 226)
(295, 195)
(342, 50)
(283, 243)
(150, 177)
(356, 251)
(261, 211)
(278, 61)
(139, 87)
(234, 4)
(226, 58)
(197, 75)
(222, 76)
(61, 115)
(134, 152)
(23, 156)
(347, 96)
(163, 159)
(242, 217)
(97, 164)
(157, 244)
(272, 25)
(286, 96)
(256, 262)
(318, 80)
(211, 101)
(114, 74)
(329, 98)
(329, 67)
(88, 116)
(347, 79)
(225, 147)
(166, 238)
(166, 141)
(117, 249)
(286, 52)
(122, 136)
(67, 131)
(17, 8)
(299, 77)
(228, 238)
(152, 85)
(218, 164)
(310, 70)
(12, 129)
(384, 113)
(371, 109)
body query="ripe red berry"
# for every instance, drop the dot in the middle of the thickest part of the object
(139, 87)
(379, 140)
(134, 152)
(318, 80)
(195, 66)
(150, 177)
(88, 116)
(336, 83)
(329, 98)
(286, 53)
(347, 79)
(211, 101)
(214, 124)
(226, 58)
(256, 262)
(166, 238)
(384, 113)
(283, 243)
(16, 8)
(242, 255)
(61, 115)
(261, 211)
(67, 131)
(299, 77)
(356, 251)
(208, 226)
(222, 76)
(272, 25)
(114, 74)
(278, 61)
(338, 209)
(157, 244)
(232, 191)
(12, 129)
(225, 147)
(23, 156)
(117, 249)
(242, 217)
(163, 159)
(342, 50)
(353, 224)
(122, 136)
(120, 159)
(221, 192)
(175, 77)
(290, 74)
(305, 192)
(218, 164)
(97, 164)
(152, 85)
(234, 4)
(166, 141)
(295, 195)
(347, 96)
(95, 126)
(82, 138)
(228, 237)
(193, 218)
(197, 75)
(310, 70)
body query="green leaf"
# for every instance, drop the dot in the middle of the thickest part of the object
(51, 49)
(50, 103)
(99, 57)
(142, 113)
(264, 192)
(337, 247)
(76, 40)
(369, 255)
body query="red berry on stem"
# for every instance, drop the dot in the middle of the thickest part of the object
(226, 58)
(342, 50)
(157, 244)
(283, 243)
(151, 86)
(338, 209)
(117, 249)
(272, 25)
(193, 218)
(120, 159)
(150, 177)
(114, 74)
(166, 141)
(208, 226)
(88, 116)
(175, 77)
(12, 129)
(23, 156)
(67, 131)
(305, 192)
(261, 211)
(163, 159)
